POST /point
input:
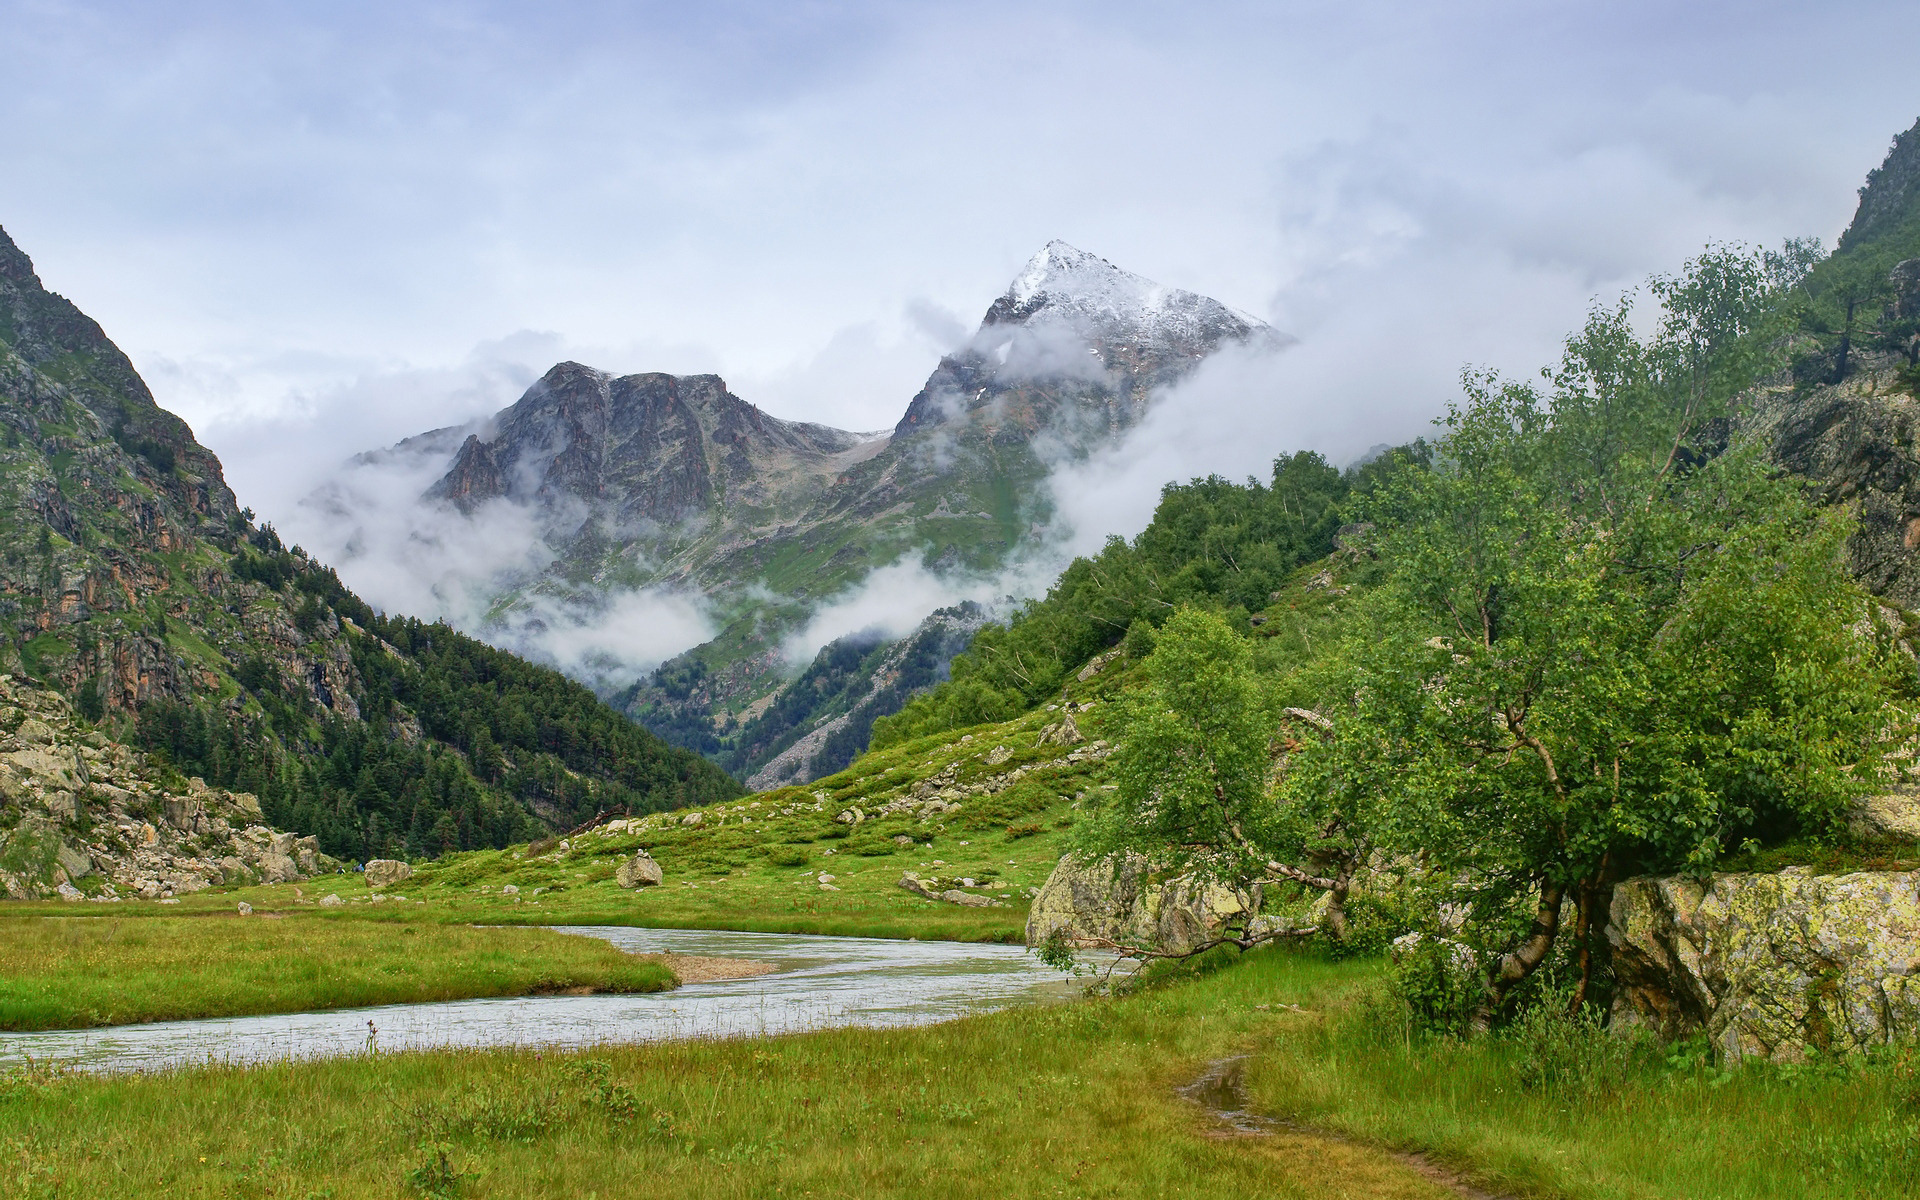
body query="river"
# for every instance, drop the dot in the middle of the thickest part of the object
(817, 983)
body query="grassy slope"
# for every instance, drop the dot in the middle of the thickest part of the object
(1076, 1100)
(755, 863)
(67, 974)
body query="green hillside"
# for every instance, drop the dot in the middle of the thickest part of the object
(132, 581)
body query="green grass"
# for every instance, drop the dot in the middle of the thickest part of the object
(755, 864)
(78, 972)
(1073, 1100)
(1065, 1101)
(1553, 1110)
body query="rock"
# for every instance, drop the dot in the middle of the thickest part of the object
(919, 887)
(693, 818)
(827, 887)
(639, 871)
(508, 890)
(1773, 966)
(383, 873)
(1896, 814)
(998, 755)
(278, 868)
(956, 896)
(826, 878)
(68, 892)
(1120, 901)
(901, 839)
(330, 901)
(1065, 733)
(246, 910)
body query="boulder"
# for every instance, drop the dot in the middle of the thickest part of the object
(1895, 814)
(278, 868)
(330, 901)
(383, 873)
(639, 871)
(956, 896)
(1119, 900)
(1772, 966)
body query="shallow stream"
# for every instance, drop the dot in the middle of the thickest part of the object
(817, 983)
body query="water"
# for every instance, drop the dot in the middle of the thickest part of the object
(817, 983)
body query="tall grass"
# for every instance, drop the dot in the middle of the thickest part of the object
(1561, 1107)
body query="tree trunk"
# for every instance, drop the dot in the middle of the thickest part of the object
(1337, 904)
(1596, 895)
(1520, 962)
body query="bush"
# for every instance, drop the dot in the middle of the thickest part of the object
(787, 856)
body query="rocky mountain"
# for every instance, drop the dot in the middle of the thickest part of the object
(1846, 416)
(133, 583)
(663, 481)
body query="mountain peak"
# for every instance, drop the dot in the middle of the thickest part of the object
(1064, 284)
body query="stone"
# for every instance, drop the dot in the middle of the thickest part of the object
(508, 890)
(277, 868)
(919, 887)
(68, 892)
(693, 818)
(1770, 966)
(330, 901)
(639, 871)
(383, 873)
(246, 910)
(956, 896)
(998, 755)
(826, 878)
(1895, 814)
(1120, 901)
(827, 887)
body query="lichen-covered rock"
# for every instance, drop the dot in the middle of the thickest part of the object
(1892, 814)
(383, 873)
(1773, 966)
(1119, 900)
(639, 871)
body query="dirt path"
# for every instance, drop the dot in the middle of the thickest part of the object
(1221, 1093)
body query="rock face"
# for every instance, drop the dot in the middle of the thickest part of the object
(1122, 902)
(639, 871)
(1770, 965)
(383, 873)
(85, 818)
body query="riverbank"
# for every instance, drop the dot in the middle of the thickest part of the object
(1071, 1100)
(68, 972)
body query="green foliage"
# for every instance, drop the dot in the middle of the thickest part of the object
(1599, 651)
(1212, 543)
(435, 1177)
(1191, 765)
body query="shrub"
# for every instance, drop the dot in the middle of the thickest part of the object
(787, 856)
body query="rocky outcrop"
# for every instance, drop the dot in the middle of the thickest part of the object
(82, 817)
(1774, 966)
(1120, 901)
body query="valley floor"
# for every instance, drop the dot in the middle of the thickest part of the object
(1073, 1100)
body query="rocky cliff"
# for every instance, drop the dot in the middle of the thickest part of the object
(82, 817)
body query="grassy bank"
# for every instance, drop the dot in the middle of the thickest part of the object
(73, 972)
(1549, 1109)
(1076, 1100)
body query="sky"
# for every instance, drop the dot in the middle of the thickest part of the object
(319, 228)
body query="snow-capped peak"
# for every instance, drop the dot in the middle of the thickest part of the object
(1064, 283)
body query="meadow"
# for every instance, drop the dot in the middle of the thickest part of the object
(1077, 1099)
(62, 972)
